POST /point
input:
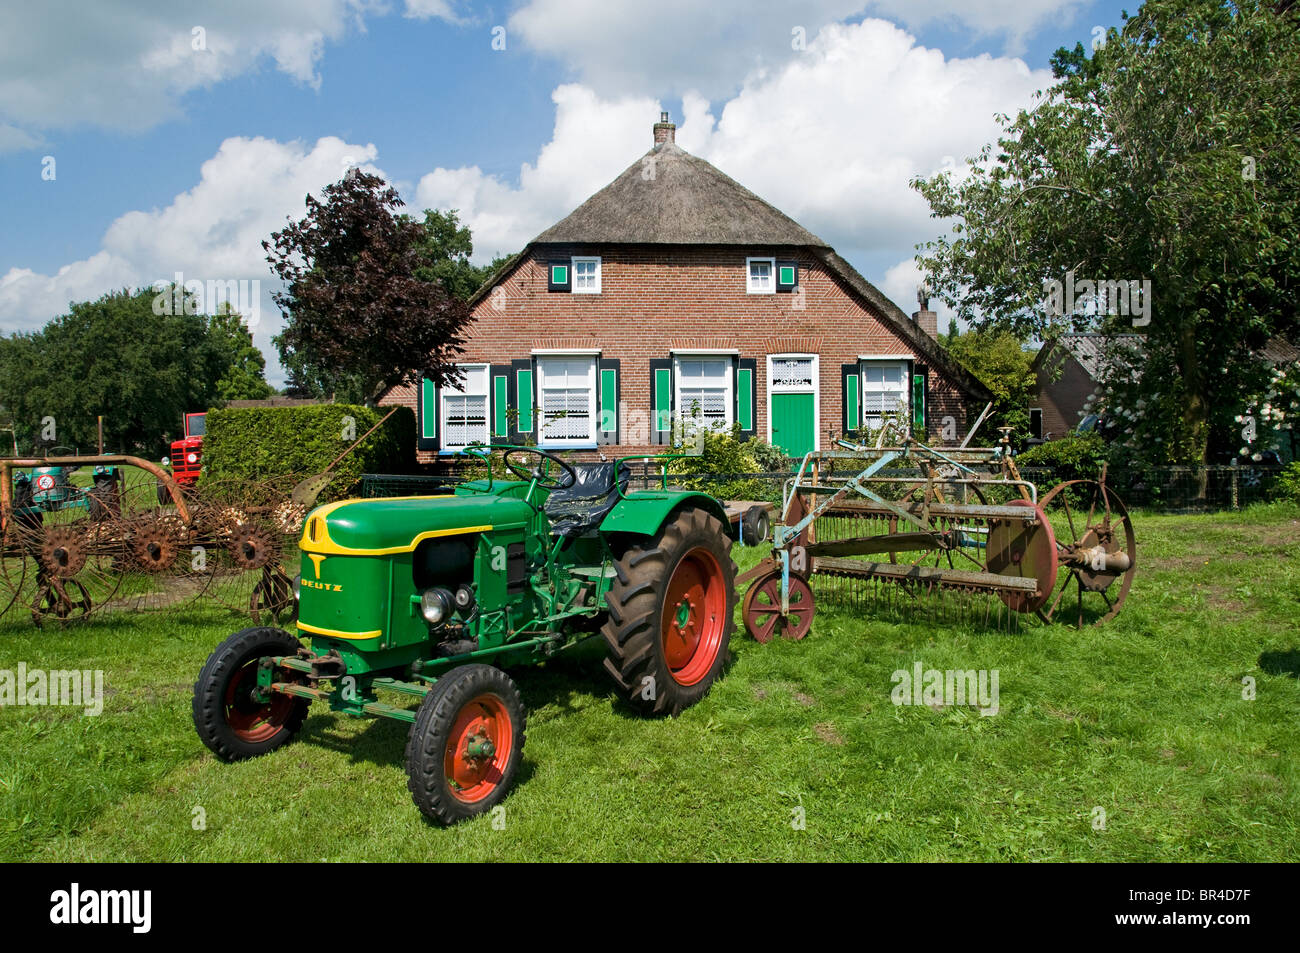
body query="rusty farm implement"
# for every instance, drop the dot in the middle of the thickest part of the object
(940, 528)
(135, 540)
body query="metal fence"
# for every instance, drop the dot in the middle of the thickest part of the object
(1164, 489)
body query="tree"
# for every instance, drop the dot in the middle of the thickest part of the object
(359, 316)
(139, 366)
(1151, 189)
(245, 366)
(1002, 365)
(448, 247)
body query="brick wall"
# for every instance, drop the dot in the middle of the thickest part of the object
(655, 299)
(1062, 399)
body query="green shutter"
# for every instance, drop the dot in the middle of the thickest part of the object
(852, 394)
(663, 406)
(428, 409)
(918, 404)
(500, 419)
(745, 398)
(608, 400)
(524, 388)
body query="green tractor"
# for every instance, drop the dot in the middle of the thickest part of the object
(435, 596)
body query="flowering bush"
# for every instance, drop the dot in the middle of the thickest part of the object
(1272, 415)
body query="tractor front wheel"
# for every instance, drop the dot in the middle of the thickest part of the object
(466, 744)
(228, 714)
(670, 614)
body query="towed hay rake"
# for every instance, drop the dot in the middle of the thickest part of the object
(136, 541)
(969, 534)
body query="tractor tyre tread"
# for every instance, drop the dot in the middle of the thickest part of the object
(428, 737)
(635, 599)
(210, 689)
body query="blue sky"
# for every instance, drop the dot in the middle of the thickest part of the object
(170, 158)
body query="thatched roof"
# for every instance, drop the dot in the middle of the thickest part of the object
(670, 197)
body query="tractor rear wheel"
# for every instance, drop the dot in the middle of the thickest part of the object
(670, 613)
(466, 744)
(227, 715)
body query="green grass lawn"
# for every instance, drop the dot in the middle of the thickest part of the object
(1144, 718)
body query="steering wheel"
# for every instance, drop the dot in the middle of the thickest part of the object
(535, 474)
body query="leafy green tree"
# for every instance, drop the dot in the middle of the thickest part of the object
(447, 249)
(139, 366)
(245, 377)
(997, 357)
(363, 307)
(1168, 156)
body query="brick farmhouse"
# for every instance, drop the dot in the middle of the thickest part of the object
(675, 292)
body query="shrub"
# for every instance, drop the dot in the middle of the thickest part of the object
(265, 443)
(1077, 457)
(723, 454)
(1287, 485)
(770, 459)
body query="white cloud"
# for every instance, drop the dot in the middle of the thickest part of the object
(675, 46)
(214, 231)
(13, 139)
(126, 65)
(432, 9)
(832, 139)
(593, 141)
(1013, 19)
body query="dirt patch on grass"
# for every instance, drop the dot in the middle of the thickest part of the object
(827, 733)
(805, 700)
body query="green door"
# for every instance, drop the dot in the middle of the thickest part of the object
(793, 423)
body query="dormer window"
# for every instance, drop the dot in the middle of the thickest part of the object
(586, 276)
(761, 276)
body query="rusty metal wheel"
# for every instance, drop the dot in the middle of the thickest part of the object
(1096, 547)
(1025, 549)
(273, 597)
(253, 545)
(762, 613)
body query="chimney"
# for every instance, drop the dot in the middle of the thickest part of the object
(926, 320)
(665, 131)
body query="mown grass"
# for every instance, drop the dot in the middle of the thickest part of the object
(1144, 718)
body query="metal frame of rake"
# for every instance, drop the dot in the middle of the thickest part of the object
(126, 550)
(939, 534)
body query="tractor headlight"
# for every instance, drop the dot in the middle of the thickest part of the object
(166, 461)
(297, 588)
(192, 458)
(435, 606)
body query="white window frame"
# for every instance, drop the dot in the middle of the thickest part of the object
(771, 276)
(539, 416)
(573, 274)
(815, 390)
(876, 421)
(458, 390)
(729, 384)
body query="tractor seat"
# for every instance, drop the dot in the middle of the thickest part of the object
(578, 509)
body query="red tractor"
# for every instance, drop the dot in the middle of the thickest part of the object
(186, 456)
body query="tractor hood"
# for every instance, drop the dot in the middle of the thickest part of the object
(398, 524)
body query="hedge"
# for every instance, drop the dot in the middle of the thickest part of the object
(266, 443)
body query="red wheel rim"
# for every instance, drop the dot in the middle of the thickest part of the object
(251, 720)
(762, 610)
(478, 748)
(693, 616)
(1024, 549)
